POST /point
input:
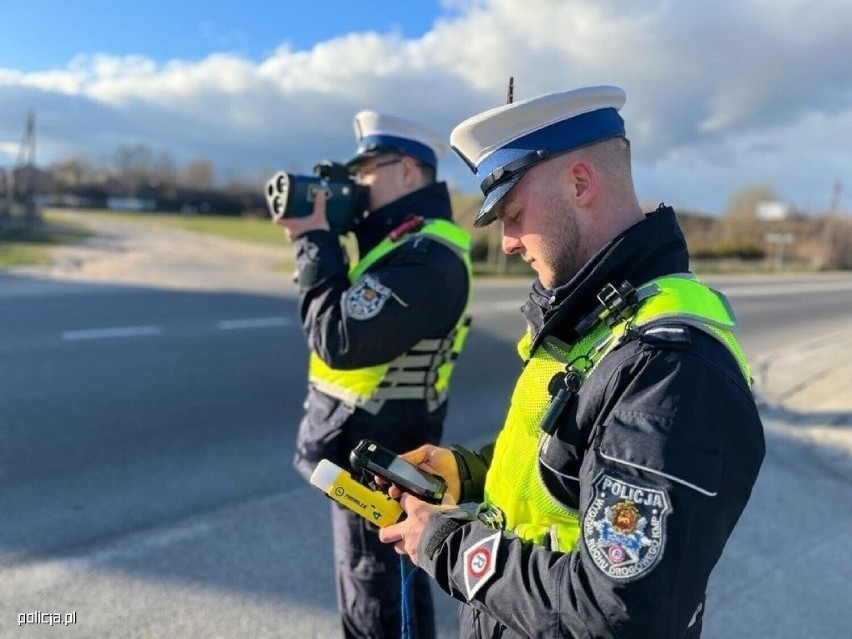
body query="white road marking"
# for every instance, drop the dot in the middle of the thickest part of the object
(257, 322)
(498, 307)
(783, 288)
(108, 333)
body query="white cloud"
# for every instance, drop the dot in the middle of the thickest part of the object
(720, 93)
(9, 149)
(801, 160)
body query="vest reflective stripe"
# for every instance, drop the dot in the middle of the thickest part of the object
(413, 361)
(409, 377)
(428, 345)
(442, 231)
(693, 303)
(514, 483)
(370, 387)
(445, 370)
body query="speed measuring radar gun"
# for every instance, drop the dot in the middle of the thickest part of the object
(289, 195)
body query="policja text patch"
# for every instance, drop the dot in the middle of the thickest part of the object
(366, 299)
(625, 527)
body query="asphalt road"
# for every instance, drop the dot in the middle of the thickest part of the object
(146, 438)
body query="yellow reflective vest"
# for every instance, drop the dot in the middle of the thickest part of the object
(424, 371)
(513, 482)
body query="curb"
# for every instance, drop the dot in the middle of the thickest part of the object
(805, 392)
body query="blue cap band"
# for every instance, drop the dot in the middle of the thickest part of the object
(559, 137)
(392, 143)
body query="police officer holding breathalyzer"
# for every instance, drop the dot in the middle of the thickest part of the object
(384, 334)
(632, 440)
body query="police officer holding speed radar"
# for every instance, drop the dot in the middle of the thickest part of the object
(384, 334)
(632, 440)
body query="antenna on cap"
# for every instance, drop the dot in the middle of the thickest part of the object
(510, 94)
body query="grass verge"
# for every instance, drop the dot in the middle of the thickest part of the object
(241, 229)
(22, 245)
(262, 231)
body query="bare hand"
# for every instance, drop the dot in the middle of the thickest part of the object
(405, 536)
(296, 226)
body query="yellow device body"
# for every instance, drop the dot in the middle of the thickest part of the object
(372, 505)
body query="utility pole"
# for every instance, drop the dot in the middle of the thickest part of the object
(826, 259)
(26, 152)
(6, 199)
(25, 178)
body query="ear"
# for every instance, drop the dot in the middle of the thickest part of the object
(410, 172)
(584, 181)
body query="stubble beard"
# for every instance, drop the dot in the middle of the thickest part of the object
(561, 246)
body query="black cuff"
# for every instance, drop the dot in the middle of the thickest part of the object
(472, 471)
(435, 534)
(438, 528)
(319, 256)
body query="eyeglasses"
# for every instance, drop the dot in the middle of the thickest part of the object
(361, 172)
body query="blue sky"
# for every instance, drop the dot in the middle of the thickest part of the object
(722, 95)
(42, 34)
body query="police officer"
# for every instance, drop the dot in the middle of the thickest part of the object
(384, 335)
(632, 440)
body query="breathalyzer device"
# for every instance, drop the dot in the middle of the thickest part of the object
(371, 458)
(374, 506)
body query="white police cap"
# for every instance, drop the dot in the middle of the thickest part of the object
(378, 133)
(499, 145)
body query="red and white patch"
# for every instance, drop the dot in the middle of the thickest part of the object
(480, 563)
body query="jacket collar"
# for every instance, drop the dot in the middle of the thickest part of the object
(649, 249)
(432, 201)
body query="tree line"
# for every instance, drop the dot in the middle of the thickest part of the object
(135, 171)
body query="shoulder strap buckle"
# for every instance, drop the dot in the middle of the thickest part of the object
(618, 304)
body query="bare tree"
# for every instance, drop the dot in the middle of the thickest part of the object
(133, 166)
(742, 204)
(239, 182)
(197, 174)
(740, 219)
(164, 173)
(72, 171)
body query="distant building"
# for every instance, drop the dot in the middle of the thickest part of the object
(131, 204)
(773, 210)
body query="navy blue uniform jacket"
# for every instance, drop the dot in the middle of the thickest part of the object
(429, 289)
(668, 412)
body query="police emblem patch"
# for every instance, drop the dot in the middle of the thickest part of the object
(625, 527)
(311, 251)
(480, 563)
(366, 299)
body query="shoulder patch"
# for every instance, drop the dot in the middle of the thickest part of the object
(666, 336)
(366, 299)
(417, 247)
(480, 563)
(624, 527)
(421, 243)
